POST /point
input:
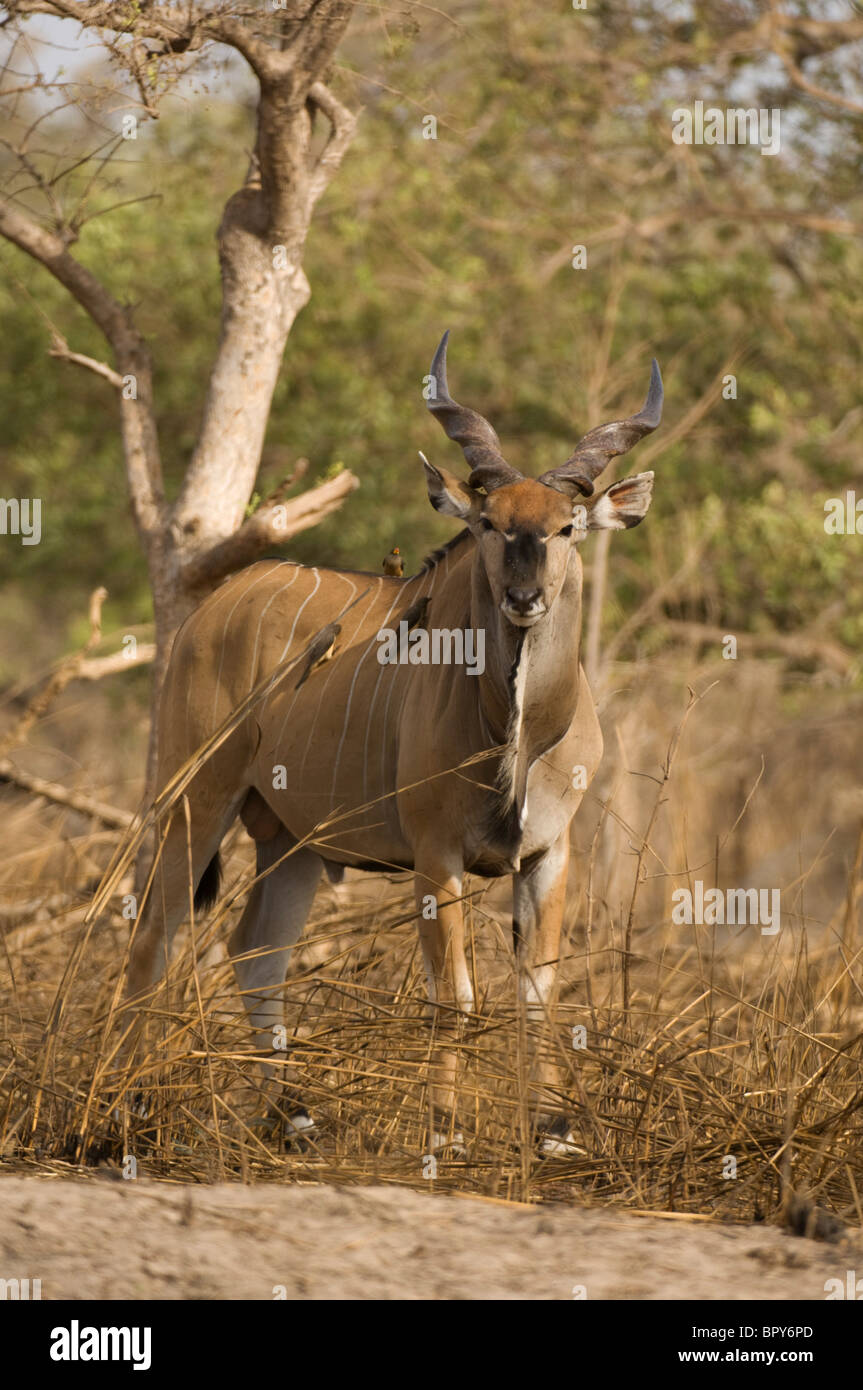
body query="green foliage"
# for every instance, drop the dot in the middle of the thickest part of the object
(536, 151)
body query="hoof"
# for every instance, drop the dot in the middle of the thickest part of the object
(299, 1133)
(557, 1140)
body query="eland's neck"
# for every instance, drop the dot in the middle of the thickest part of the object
(529, 689)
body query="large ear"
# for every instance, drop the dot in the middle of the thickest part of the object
(449, 494)
(622, 505)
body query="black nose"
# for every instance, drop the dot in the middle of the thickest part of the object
(522, 600)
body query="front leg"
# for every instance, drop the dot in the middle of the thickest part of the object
(539, 898)
(440, 922)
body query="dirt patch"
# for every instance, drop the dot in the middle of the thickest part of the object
(104, 1239)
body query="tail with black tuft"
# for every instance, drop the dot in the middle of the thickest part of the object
(207, 891)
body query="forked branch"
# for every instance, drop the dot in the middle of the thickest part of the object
(130, 352)
(272, 524)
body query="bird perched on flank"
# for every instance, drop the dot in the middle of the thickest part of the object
(393, 563)
(320, 649)
(415, 615)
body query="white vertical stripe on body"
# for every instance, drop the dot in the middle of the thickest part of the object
(323, 685)
(248, 589)
(399, 594)
(289, 710)
(369, 647)
(431, 576)
(263, 614)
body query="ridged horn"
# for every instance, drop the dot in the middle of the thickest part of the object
(599, 446)
(471, 430)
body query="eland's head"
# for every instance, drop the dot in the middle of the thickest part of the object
(528, 529)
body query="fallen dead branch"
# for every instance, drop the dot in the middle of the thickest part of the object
(56, 683)
(63, 796)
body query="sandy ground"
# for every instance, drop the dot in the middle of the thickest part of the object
(105, 1239)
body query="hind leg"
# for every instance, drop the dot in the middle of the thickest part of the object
(186, 853)
(271, 924)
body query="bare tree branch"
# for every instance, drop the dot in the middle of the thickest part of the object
(62, 796)
(56, 683)
(97, 667)
(182, 32)
(272, 524)
(60, 348)
(816, 37)
(140, 438)
(819, 93)
(343, 125)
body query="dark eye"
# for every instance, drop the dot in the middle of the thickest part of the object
(486, 524)
(567, 531)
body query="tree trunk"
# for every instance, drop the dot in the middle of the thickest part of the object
(192, 545)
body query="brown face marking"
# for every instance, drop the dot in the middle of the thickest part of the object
(525, 531)
(528, 506)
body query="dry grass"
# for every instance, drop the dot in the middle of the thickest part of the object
(733, 1044)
